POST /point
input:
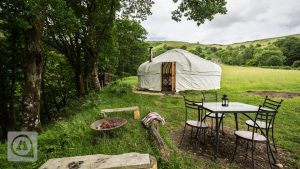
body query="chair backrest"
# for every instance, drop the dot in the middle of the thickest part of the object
(210, 96)
(189, 106)
(268, 119)
(271, 104)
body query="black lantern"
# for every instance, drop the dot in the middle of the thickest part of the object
(225, 100)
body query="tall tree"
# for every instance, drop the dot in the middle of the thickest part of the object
(29, 16)
(101, 15)
(132, 46)
(10, 64)
(33, 61)
(64, 34)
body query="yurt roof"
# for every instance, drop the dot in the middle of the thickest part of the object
(189, 62)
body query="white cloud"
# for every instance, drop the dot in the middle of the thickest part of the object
(245, 20)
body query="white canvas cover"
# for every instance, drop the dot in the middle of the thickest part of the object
(192, 72)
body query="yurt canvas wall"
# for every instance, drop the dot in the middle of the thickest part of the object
(191, 72)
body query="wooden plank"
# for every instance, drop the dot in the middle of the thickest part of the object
(135, 109)
(173, 77)
(120, 109)
(102, 161)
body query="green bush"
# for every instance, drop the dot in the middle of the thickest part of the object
(268, 56)
(274, 61)
(119, 88)
(183, 47)
(296, 64)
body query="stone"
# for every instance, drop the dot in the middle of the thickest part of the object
(279, 165)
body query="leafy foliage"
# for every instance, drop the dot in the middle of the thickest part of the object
(198, 11)
(290, 47)
(119, 88)
(132, 46)
(296, 63)
(57, 86)
(269, 56)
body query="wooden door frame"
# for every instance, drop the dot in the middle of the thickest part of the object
(172, 74)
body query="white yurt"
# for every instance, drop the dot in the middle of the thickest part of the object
(179, 70)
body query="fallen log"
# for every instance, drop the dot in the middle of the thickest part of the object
(154, 129)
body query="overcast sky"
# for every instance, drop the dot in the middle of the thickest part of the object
(245, 20)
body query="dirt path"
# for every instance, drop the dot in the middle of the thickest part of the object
(275, 94)
(226, 149)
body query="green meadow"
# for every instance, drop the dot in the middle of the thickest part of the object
(71, 135)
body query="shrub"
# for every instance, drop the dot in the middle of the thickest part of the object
(296, 64)
(183, 47)
(274, 61)
(268, 56)
(118, 87)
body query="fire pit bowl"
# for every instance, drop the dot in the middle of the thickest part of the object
(108, 124)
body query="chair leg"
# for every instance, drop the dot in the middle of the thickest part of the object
(204, 133)
(212, 126)
(235, 149)
(268, 153)
(273, 140)
(191, 134)
(183, 134)
(252, 154)
(197, 132)
(222, 125)
(247, 150)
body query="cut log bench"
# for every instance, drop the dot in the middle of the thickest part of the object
(135, 109)
(102, 161)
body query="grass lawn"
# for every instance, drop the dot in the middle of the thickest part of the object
(71, 136)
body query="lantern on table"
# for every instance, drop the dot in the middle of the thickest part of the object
(225, 100)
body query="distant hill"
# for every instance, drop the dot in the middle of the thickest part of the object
(179, 44)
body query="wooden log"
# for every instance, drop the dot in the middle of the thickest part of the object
(154, 128)
(135, 109)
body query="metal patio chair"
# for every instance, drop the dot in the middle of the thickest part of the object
(212, 97)
(268, 103)
(198, 124)
(257, 135)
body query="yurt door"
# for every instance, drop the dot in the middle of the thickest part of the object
(168, 76)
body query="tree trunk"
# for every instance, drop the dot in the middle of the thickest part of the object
(33, 73)
(95, 77)
(91, 70)
(3, 115)
(12, 113)
(79, 84)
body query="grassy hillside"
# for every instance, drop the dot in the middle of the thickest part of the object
(178, 44)
(72, 136)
